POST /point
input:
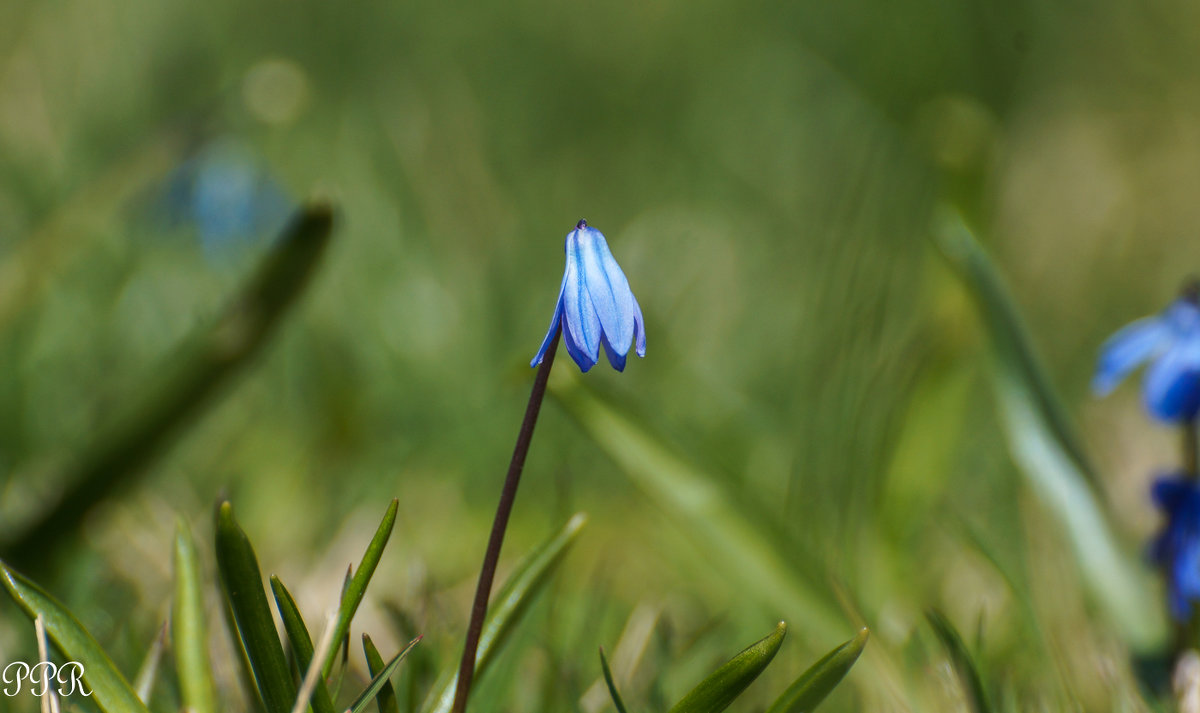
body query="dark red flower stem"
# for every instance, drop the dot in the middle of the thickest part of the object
(466, 669)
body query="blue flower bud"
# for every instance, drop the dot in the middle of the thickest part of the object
(595, 305)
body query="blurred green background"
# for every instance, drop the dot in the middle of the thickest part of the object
(766, 174)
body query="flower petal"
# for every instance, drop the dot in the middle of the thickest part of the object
(639, 329)
(554, 324)
(1168, 492)
(1185, 573)
(1172, 386)
(608, 287)
(579, 314)
(1125, 350)
(578, 352)
(615, 358)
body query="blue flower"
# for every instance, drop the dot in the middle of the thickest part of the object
(595, 305)
(1171, 341)
(227, 194)
(1177, 548)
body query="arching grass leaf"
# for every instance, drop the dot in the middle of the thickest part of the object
(1045, 447)
(189, 635)
(110, 691)
(964, 663)
(807, 692)
(387, 694)
(377, 683)
(356, 588)
(243, 584)
(302, 645)
(723, 686)
(612, 687)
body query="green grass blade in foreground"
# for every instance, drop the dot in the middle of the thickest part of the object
(612, 686)
(110, 691)
(964, 664)
(508, 605)
(807, 692)
(183, 385)
(1046, 449)
(302, 645)
(386, 698)
(364, 699)
(356, 588)
(729, 540)
(723, 686)
(189, 636)
(243, 584)
(147, 675)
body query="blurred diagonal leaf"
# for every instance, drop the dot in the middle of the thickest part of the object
(377, 683)
(612, 687)
(186, 383)
(243, 584)
(387, 695)
(189, 635)
(508, 605)
(28, 271)
(723, 686)
(110, 691)
(807, 692)
(729, 540)
(964, 663)
(1045, 447)
(302, 645)
(356, 588)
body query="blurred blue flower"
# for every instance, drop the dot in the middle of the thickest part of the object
(1171, 341)
(227, 194)
(595, 305)
(1177, 548)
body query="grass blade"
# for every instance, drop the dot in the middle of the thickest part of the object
(110, 691)
(189, 636)
(387, 695)
(302, 645)
(963, 662)
(723, 686)
(807, 692)
(147, 675)
(356, 588)
(612, 687)
(508, 606)
(243, 583)
(364, 699)
(1046, 449)
(188, 382)
(728, 539)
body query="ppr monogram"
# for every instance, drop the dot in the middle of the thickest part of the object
(67, 678)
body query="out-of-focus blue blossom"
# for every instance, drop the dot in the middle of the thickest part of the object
(227, 194)
(595, 305)
(1176, 549)
(1171, 342)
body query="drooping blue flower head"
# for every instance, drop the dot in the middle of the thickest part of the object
(1171, 342)
(227, 194)
(595, 305)
(1176, 549)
